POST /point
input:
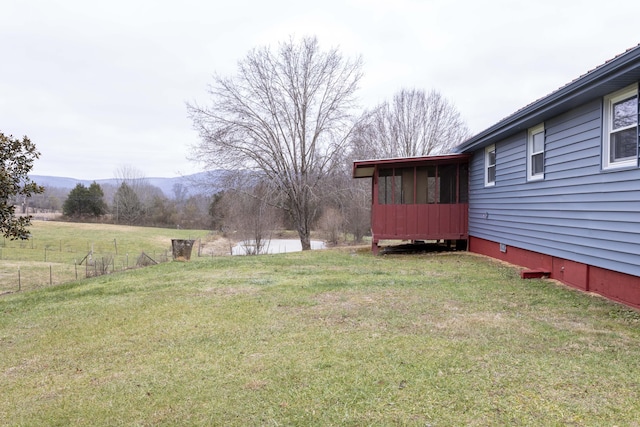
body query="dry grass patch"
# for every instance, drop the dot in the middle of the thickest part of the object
(228, 291)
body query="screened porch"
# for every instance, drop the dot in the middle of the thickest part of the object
(418, 198)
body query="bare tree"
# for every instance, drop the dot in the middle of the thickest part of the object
(355, 206)
(414, 123)
(331, 222)
(243, 210)
(127, 205)
(180, 193)
(137, 181)
(131, 175)
(286, 114)
(349, 198)
(50, 200)
(134, 196)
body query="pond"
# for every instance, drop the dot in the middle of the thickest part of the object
(277, 246)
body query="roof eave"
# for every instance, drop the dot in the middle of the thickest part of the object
(558, 101)
(366, 168)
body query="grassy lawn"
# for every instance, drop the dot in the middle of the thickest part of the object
(335, 337)
(56, 249)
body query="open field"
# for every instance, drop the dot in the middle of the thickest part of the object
(56, 251)
(334, 337)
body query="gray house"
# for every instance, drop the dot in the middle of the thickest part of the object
(555, 187)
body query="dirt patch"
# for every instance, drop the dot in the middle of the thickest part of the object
(220, 246)
(256, 385)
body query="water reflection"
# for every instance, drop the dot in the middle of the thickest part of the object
(275, 246)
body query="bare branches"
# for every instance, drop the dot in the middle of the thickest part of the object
(285, 114)
(414, 123)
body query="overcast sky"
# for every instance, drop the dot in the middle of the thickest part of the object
(101, 86)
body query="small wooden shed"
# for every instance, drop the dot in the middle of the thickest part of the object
(418, 198)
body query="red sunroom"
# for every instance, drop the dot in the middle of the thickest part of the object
(418, 198)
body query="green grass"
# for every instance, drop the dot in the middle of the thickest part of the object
(55, 250)
(335, 337)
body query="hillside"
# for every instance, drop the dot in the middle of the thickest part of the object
(203, 182)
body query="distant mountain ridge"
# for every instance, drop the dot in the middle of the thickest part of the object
(199, 183)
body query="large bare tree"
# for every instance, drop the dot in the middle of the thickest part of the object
(414, 123)
(286, 114)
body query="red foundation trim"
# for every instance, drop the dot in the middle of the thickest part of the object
(616, 286)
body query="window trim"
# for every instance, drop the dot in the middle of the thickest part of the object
(487, 165)
(530, 134)
(607, 117)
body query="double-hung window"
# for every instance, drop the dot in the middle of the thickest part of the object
(620, 129)
(490, 166)
(535, 153)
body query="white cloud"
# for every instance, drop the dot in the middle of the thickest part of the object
(98, 85)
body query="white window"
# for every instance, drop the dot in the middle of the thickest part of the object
(490, 166)
(535, 153)
(620, 129)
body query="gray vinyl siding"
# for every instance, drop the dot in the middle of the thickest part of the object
(578, 212)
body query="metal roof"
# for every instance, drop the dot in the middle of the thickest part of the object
(366, 168)
(614, 74)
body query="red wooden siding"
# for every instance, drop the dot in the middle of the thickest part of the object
(420, 222)
(421, 198)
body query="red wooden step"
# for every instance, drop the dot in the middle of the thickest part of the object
(534, 274)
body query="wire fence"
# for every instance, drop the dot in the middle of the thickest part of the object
(25, 266)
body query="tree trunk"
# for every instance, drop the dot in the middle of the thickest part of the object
(305, 240)
(301, 221)
(304, 231)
